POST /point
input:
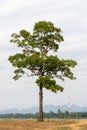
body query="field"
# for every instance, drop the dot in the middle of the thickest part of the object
(46, 125)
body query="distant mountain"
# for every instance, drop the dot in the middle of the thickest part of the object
(23, 111)
(47, 108)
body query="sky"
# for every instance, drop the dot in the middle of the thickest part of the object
(71, 17)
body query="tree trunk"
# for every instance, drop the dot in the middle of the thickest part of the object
(40, 103)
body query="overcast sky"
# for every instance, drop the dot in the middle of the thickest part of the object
(71, 17)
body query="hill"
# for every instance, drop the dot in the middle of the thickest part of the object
(47, 108)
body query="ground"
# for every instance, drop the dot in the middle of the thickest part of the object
(46, 125)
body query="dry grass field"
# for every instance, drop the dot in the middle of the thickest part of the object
(46, 125)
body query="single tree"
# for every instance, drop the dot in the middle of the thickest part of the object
(37, 58)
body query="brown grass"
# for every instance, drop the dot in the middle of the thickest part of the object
(46, 125)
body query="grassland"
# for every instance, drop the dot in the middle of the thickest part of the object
(46, 125)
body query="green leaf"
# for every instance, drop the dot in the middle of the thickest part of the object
(49, 84)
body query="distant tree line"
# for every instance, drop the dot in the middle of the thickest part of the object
(58, 115)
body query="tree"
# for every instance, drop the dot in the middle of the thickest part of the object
(35, 58)
(60, 114)
(67, 114)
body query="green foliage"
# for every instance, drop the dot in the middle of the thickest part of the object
(49, 84)
(49, 115)
(34, 60)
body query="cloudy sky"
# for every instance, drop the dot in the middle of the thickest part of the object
(71, 17)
